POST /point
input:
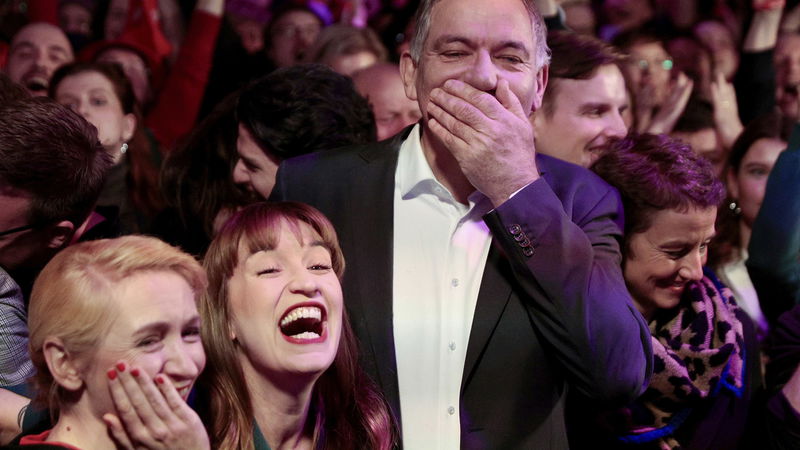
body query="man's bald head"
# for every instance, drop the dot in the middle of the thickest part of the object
(37, 50)
(383, 88)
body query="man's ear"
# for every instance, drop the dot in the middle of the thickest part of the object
(541, 83)
(62, 365)
(408, 72)
(60, 234)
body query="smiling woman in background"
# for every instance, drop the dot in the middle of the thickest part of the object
(102, 95)
(706, 360)
(283, 366)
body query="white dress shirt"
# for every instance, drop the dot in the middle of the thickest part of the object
(440, 250)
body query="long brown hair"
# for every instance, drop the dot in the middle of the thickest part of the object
(143, 176)
(347, 409)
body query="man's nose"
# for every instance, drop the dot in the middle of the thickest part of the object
(482, 74)
(615, 127)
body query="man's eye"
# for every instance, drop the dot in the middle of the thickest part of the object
(452, 54)
(511, 59)
(99, 102)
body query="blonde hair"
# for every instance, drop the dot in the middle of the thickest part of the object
(72, 297)
(348, 410)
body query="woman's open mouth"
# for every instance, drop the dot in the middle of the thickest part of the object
(304, 323)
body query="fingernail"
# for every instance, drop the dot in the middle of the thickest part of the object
(112, 374)
(135, 372)
(159, 379)
(121, 366)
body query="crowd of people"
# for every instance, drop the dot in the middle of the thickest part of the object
(567, 224)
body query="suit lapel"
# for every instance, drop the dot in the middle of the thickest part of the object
(370, 242)
(495, 291)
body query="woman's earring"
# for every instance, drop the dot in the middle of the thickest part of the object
(123, 148)
(735, 208)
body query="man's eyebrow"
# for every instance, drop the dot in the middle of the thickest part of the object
(516, 45)
(23, 44)
(59, 49)
(450, 39)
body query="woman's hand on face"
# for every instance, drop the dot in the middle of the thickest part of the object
(150, 413)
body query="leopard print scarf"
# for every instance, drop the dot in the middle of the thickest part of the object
(696, 353)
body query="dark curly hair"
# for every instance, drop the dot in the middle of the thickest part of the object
(654, 173)
(304, 108)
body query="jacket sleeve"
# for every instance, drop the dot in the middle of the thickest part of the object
(565, 255)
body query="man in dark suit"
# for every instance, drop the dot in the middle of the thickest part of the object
(483, 279)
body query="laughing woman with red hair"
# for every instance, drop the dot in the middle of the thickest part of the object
(283, 366)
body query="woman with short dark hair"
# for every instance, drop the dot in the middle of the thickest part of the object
(706, 359)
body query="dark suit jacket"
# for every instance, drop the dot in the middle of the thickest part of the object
(552, 310)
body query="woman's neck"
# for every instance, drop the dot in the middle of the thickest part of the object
(280, 410)
(78, 427)
(744, 235)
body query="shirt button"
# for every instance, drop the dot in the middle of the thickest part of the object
(451, 410)
(454, 282)
(452, 345)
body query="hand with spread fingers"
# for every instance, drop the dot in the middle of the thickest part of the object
(489, 136)
(151, 413)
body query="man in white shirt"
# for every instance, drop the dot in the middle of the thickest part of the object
(482, 278)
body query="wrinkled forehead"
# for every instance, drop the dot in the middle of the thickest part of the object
(498, 20)
(42, 35)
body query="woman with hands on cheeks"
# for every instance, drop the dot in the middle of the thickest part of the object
(115, 338)
(706, 362)
(283, 369)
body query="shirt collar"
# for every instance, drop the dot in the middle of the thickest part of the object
(415, 177)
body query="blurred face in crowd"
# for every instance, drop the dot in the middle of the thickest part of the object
(156, 328)
(478, 45)
(787, 73)
(286, 305)
(579, 16)
(718, 40)
(116, 18)
(255, 170)
(36, 51)
(251, 32)
(382, 86)
(135, 70)
(578, 120)
(649, 68)
(627, 14)
(92, 95)
(661, 260)
(291, 35)
(74, 18)
(748, 184)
